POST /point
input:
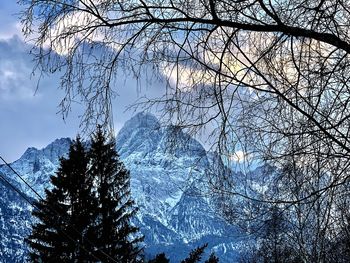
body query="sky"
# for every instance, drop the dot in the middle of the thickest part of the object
(29, 113)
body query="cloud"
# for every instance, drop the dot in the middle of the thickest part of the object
(28, 118)
(240, 157)
(9, 31)
(67, 32)
(214, 57)
(31, 119)
(185, 77)
(15, 72)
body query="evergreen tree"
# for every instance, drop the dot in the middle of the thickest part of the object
(64, 215)
(212, 259)
(115, 235)
(86, 216)
(160, 258)
(195, 255)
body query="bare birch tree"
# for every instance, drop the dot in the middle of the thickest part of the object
(270, 79)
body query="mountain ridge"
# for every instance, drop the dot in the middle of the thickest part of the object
(167, 167)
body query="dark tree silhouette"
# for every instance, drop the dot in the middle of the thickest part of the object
(115, 235)
(212, 259)
(86, 217)
(160, 258)
(195, 255)
(64, 216)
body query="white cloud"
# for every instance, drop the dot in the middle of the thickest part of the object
(239, 157)
(70, 29)
(15, 87)
(9, 31)
(15, 73)
(185, 77)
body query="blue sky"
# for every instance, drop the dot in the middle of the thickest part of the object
(30, 118)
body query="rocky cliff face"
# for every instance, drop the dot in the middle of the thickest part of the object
(167, 167)
(15, 224)
(36, 167)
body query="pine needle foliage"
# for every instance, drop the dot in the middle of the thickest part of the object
(86, 216)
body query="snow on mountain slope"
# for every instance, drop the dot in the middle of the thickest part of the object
(160, 172)
(15, 223)
(167, 167)
(36, 166)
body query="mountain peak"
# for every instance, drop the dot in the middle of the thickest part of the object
(167, 168)
(57, 149)
(60, 141)
(31, 151)
(140, 133)
(143, 120)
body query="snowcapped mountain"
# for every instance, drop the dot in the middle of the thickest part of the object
(167, 169)
(15, 223)
(36, 166)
